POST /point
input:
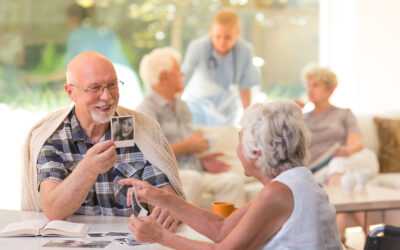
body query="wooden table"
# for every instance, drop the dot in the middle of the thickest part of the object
(96, 224)
(372, 198)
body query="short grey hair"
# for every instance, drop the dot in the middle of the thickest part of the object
(158, 61)
(276, 130)
(322, 74)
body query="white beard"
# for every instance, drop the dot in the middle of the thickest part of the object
(102, 118)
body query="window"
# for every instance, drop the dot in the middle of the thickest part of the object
(34, 50)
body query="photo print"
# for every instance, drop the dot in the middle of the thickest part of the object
(122, 130)
(77, 244)
(105, 234)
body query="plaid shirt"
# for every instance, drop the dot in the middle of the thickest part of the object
(67, 146)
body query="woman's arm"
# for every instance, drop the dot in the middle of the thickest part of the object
(245, 96)
(270, 210)
(195, 143)
(263, 219)
(353, 145)
(211, 225)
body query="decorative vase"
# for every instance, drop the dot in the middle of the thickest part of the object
(348, 182)
(362, 178)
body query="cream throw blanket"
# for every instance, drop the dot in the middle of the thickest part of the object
(148, 137)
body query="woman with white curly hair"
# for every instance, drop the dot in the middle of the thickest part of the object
(292, 211)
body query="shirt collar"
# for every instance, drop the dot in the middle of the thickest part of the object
(159, 99)
(78, 134)
(215, 54)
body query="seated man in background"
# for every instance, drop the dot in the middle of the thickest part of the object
(79, 166)
(160, 71)
(331, 125)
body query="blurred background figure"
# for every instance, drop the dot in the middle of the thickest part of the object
(84, 37)
(331, 125)
(12, 57)
(200, 170)
(217, 69)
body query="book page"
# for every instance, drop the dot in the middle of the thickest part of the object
(65, 228)
(29, 227)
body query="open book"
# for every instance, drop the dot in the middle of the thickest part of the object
(42, 227)
(324, 159)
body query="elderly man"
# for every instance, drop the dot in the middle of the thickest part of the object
(79, 166)
(160, 71)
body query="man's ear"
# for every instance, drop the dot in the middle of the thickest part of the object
(68, 90)
(163, 76)
(237, 32)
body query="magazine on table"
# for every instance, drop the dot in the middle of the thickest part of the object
(324, 159)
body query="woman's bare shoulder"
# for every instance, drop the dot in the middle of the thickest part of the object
(275, 193)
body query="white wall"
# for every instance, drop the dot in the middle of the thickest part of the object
(13, 130)
(361, 43)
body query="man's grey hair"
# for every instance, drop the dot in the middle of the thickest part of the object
(158, 61)
(319, 73)
(276, 130)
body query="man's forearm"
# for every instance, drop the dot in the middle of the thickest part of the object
(180, 148)
(62, 199)
(245, 96)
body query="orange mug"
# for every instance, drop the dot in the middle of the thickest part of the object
(223, 208)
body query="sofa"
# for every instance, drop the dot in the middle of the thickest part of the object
(369, 134)
(227, 141)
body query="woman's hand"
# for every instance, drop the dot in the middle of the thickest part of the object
(146, 229)
(300, 103)
(164, 217)
(144, 192)
(342, 151)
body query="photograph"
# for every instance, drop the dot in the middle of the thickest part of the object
(129, 241)
(104, 234)
(77, 244)
(122, 130)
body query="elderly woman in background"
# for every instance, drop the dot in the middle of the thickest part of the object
(292, 211)
(330, 125)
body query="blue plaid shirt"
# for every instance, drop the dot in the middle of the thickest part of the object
(67, 146)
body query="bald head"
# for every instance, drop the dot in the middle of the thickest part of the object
(89, 77)
(84, 62)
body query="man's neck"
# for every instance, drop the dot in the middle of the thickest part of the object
(169, 96)
(222, 54)
(95, 131)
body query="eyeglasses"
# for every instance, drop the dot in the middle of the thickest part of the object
(96, 89)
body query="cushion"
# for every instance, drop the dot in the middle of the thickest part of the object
(389, 140)
(227, 140)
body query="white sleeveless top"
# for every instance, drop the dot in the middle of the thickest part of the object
(312, 224)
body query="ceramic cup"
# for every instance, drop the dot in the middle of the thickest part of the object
(362, 178)
(223, 208)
